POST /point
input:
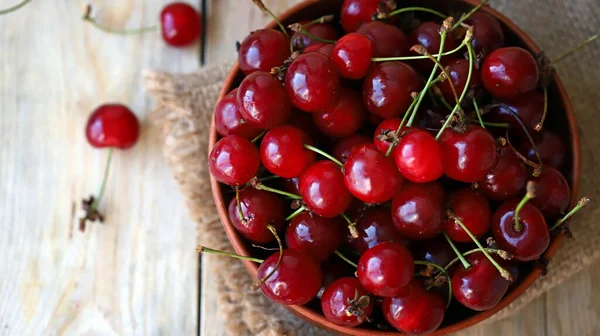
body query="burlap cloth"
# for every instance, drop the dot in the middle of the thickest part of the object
(184, 110)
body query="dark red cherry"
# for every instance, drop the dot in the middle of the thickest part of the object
(344, 146)
(414, 310)
(376, 226)
(289, 185)
(458, 69)
(324, 48)
(259, 208)
(507, 179)
(435, 250)
(112, 125)
(481, 286)
(550, 147)
(282, 151)
(418, 156)
(509, 72)
(229, 120)
(304, 122)
(345, 118)
(488, 35)
(322, 189)
(467, 156)
(312, 82)
(418, 210)
(388, 40)
(263, 101)
(431, 118)
(180, 24)
(387, 88)
(385, 269)
(333, 269)
(314, 235)
(345, 302)
(552, 193)
(370, 176)
(383, 138)
(473, 210)
(428, 35)
(356, 12)
(529, 107)
(263, 50)
(530, 241)
(233, 160)
(352, 55)
(296, 281)
(322, 30)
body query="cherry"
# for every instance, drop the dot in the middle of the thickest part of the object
(370, 176)
(480, 287)
(324, 48)
(550, 147)
(263, 101)
(418, 210)
(304, 122)
(509, 72)
(469, 155)
(507, 179)
(233, 160)
(282, 151)
(388, 87)
(376, 226)
(428, 35)
(356, 12)
(344, 146)
(258, 209)
(322, 189)
(112, 125)
(290, 185)
(458, 69)
(385, 269)
(488, 35)
(316, 236)
(473, 210)
(435, 250)
(229, 120)
(529, 107)
(263, 50)
(418, 156)
(352, 55)
(180, 24)
(321, 30)
(385, 133)
(414, 310)
(345, 302)
(296, 281)
(552, 193)
(312, 82)
(388, 40)
(333, 269)
(345, 118)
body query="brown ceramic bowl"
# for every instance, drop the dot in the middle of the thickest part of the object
(562, 123)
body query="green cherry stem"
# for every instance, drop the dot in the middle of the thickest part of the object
(351, 226)
(14, 8)
(104, 180)
(204, 249)
(582, 203)
(493, 124)
(459, 255)
(501, 253)
(295, 213)
(259, 136)
(257, 185)
(298, 28)
(410, 58)
(239, 206)
(343, 257)
(528, 196)
(411, 9)
(88, 17)
(318, 151)
(538, 127)
(260, 282)
(264, 8)
(444, 272)
(478, 112)
(468, 15)
(445, 103)
(579, 46)
(446, 77)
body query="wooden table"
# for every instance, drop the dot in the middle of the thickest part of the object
(138, 273)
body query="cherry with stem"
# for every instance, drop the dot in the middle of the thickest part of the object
(258, 185)
(501, 253)
(295, 213)
(344, 258)
(323, 153)
(14, 8)
(444, 272)
(530, 194)
(468, 15)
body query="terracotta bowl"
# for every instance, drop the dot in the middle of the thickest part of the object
(562, 123)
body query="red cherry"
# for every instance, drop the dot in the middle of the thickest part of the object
(356, 12)
(473, 210)
(428, 35)
(382, 137)
(180, 24)
(418, 156)
(552, 193)
(481, 286)
(352, 55)
(333, 269)
(436, 250)
(370, 176)
(376, 226)
(344, 146)
(316, 236)
(388, 40)
(322, 189)
(263, 101)
(507, 179)
(418, 210)
(263, 50)
(259, 209)
(388, 87)
(295, 282)
(112, 125)
(312, 82)
(324, 48)
(282, 151)
(414, 310)
(550, 147)
(304, 122)
(509, 72)
(229, 120)
(345, 302)
(385, 269)
(529, 107)
(322, 30)
(458, 69)
(233, 160)
(488, 35)
(467, 156)
(345, 118)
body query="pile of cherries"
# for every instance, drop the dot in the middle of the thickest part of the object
(417, 149)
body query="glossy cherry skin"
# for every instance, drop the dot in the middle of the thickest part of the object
(295, 282)
(322, 189)
(263, 50)
(526, 244)
(383, 129)
(428, 35)
(352, 55)
(488, 35)
(385, 269)
(388, 40)
(387, 88)
(263, 101)
(418, 156)
(229, 120)
(356, 12)
(507, 179)
(481, 286)
(529, 107)
(282, 151)
(550, 147)
(322, 30)
(180, 24)
(458, 69)
(304, 122)
(312, 82)
(467, 156)
(233, 160)
(324, 48)
(370, 176)
(316, 236)
(414, 310)
(340, 303)
(474, 212)
(509, 72)
(552, 193)
(260, 208)
(112, 125)
(345, 119)
(418, 210)
(376, 226)
(435, 250)
(344, 146)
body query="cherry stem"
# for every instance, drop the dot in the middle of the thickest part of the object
(468, 15)
(316, 150)
(268, 178)
(204, 249)
(576, 48)
(446, 77)
(295, 213)
(501, 253)
(411, 9)
(343, 257)
(298, 28)
(492, 124)
(351, 226)
(239, 205)
(104, 179)
(478, 112)
(257, 185)
(322, 19)
(14, 8)
(256, 138)
(264, 8)
(445, 103)
(538, 127)
(410, 58)
(459, 256)
(528, 196)
(537, 167)
(260, 282)
(444, 272)
(88, 17)
(582, 203)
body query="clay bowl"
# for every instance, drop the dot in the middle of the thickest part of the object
(457, 317)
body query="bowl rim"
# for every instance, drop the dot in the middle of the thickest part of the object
(317, 319)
